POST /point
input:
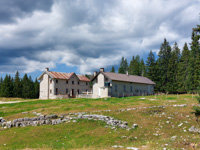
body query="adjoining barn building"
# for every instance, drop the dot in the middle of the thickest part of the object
(108, 84)
(62, 85)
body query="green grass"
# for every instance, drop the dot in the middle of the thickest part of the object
(156, 125)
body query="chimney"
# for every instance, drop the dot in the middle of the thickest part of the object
(95, 73)
(101, 69)
(127, 73)
(47, 69)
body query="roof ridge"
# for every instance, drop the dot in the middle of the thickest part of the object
(60, 72)
(125, 74)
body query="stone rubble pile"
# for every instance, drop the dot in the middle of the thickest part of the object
(193, 129)
(35, 121)
(55, 119)
(2, 121)
(108, 120)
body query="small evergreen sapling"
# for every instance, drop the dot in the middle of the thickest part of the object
(197, 110)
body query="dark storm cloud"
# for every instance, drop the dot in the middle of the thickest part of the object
(12, 9)
(88, 34)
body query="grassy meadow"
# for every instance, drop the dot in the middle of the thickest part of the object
(158, 127)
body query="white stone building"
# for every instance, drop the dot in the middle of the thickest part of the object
(62, 85)
(108, 84)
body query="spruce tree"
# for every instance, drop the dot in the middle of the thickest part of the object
(123, 66)
(162, 62)
(136, 66)
(194, 67)
(151, 66)
(36, 89)
(183, 72)
(172, 73)
(26, 88)
(131, 66)
(6, 88)
(17, 86)
(112, 69)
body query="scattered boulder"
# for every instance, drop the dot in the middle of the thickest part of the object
(193, 129)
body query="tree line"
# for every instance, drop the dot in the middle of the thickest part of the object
(173, 71)
(17, 87)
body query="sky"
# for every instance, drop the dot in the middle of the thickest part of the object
(84, 35)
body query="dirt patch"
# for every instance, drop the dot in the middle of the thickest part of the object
(10, 102)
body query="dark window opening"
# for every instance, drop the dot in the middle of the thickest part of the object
(131, 89)
(72, 82)
(67, 82)
(78, 91)
(115, 88)
(56, 81)
(66, 91)
(50, 91)
(124, 88)
(86, 83)
(78, 82)
(50, 81)
(56, 91)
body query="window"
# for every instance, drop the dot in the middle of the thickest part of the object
(50, 81)
(86, 83)
(50, 91)
(72, 82)
(106, 79)
(67, 82)
(78, 91)
(131, 89)
(56, 91)
(78, 82)
(66, 91)
(124, 88)
(56, 81)
(115, 88)
(97, 79)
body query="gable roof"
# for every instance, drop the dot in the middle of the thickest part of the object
(83, 78)
(64, 76)
(60, 75)
(126, 78)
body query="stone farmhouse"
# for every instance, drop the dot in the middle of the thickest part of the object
(108, 84)
(62, 85)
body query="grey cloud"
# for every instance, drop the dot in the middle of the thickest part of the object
(12, 9)
(91, 33)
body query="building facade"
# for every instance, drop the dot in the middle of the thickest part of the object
(107, 84)
(62, 85)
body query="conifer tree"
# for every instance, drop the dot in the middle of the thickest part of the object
(6, 87)
(183, 70)
(112, 69)
(36, 88)
(123, 66)
(26, 88)
(194, 61)
(162, 62)
(131, 66)
(17, 86)
(172, 73)
(136, 66)
(151, 66)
